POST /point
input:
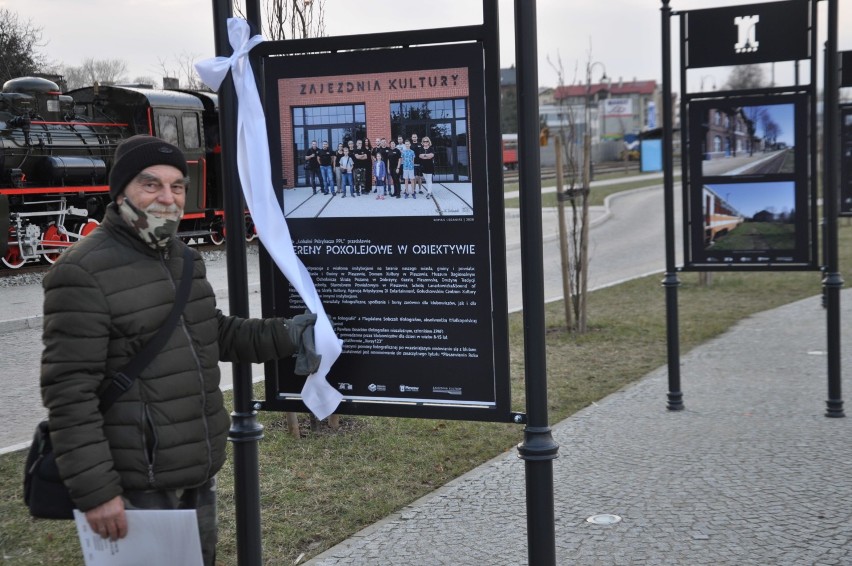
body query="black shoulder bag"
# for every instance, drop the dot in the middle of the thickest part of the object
(44, 493)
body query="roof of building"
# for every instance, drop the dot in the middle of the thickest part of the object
(614, 89)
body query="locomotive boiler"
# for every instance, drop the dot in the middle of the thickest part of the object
(56, 151)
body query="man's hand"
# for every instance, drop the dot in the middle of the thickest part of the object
(301, 329)
(108, 519)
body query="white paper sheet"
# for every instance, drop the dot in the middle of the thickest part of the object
(165, 538)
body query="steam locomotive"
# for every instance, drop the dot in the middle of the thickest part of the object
(56, 151)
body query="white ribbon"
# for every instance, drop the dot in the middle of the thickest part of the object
(255, 172)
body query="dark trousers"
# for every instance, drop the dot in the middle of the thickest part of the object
(396, 184)
(202, 499)
(361, 181)
(314, 177)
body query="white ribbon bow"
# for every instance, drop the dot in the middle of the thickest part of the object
(255, 173)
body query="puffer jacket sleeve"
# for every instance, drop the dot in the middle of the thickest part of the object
(75, 335)
(253, 340)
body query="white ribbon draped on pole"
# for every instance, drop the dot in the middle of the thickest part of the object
(255, 172)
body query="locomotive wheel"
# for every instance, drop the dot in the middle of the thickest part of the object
(217, 234)
(86, 229)
(12, 258)
(251, 230)
(52, 234)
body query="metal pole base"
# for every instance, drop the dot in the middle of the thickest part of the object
(834, 409)
(675, 396)
(675, 401)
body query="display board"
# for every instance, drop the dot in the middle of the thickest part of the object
(415, 287)
(749, 190)
(749, 153)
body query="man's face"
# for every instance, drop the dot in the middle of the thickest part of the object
(159, 190)
(398, 140)
(413, 138)
(325, 145)
(313, 145)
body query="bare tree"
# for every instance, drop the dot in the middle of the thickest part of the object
(289, 19)
(573, 230)
(744, 77)
(91, 71)
(19, 47)
(182, 67)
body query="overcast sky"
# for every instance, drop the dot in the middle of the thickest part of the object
(623, 35)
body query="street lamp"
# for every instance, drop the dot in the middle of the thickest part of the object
(712, 78)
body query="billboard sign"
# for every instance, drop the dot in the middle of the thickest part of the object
(618, 108)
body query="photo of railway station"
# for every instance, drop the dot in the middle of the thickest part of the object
(748, 140)
(749, 216)
(376, 111)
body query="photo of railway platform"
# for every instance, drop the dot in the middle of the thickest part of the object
(748, 140)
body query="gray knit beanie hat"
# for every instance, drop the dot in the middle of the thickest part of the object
(137, 153)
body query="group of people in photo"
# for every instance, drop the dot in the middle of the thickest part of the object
(388, 169)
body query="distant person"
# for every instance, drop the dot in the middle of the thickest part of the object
(418, 149)
(368, 177)
(380, 173)
(312, 166)
(338, 155)
(326, 160)
(407, 165)
(346, 165)
(427, 164)
(394, 155)
(363, 167)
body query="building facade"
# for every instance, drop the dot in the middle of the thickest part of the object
(618, 109)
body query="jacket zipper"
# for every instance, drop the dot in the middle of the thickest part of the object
(192, 349)
(150, 443)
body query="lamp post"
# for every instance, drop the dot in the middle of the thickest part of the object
(711, 77)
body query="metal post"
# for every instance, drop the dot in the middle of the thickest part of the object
(538, 450)
(670, 282)
(245, 431)
(832, 282)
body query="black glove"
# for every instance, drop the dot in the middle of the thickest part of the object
(301, 330)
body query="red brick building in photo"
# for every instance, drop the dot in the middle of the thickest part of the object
(377, 105)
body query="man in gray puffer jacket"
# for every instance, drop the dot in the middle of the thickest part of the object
(162, 442)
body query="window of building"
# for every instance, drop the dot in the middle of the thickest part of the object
(334, 124)
(445, 122)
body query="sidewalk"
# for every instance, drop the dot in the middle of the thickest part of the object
(750, 473)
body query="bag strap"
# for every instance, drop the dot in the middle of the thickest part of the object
(123, 379)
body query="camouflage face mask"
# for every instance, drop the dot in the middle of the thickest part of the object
(156, 231)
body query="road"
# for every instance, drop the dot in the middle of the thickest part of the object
(629, 243)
